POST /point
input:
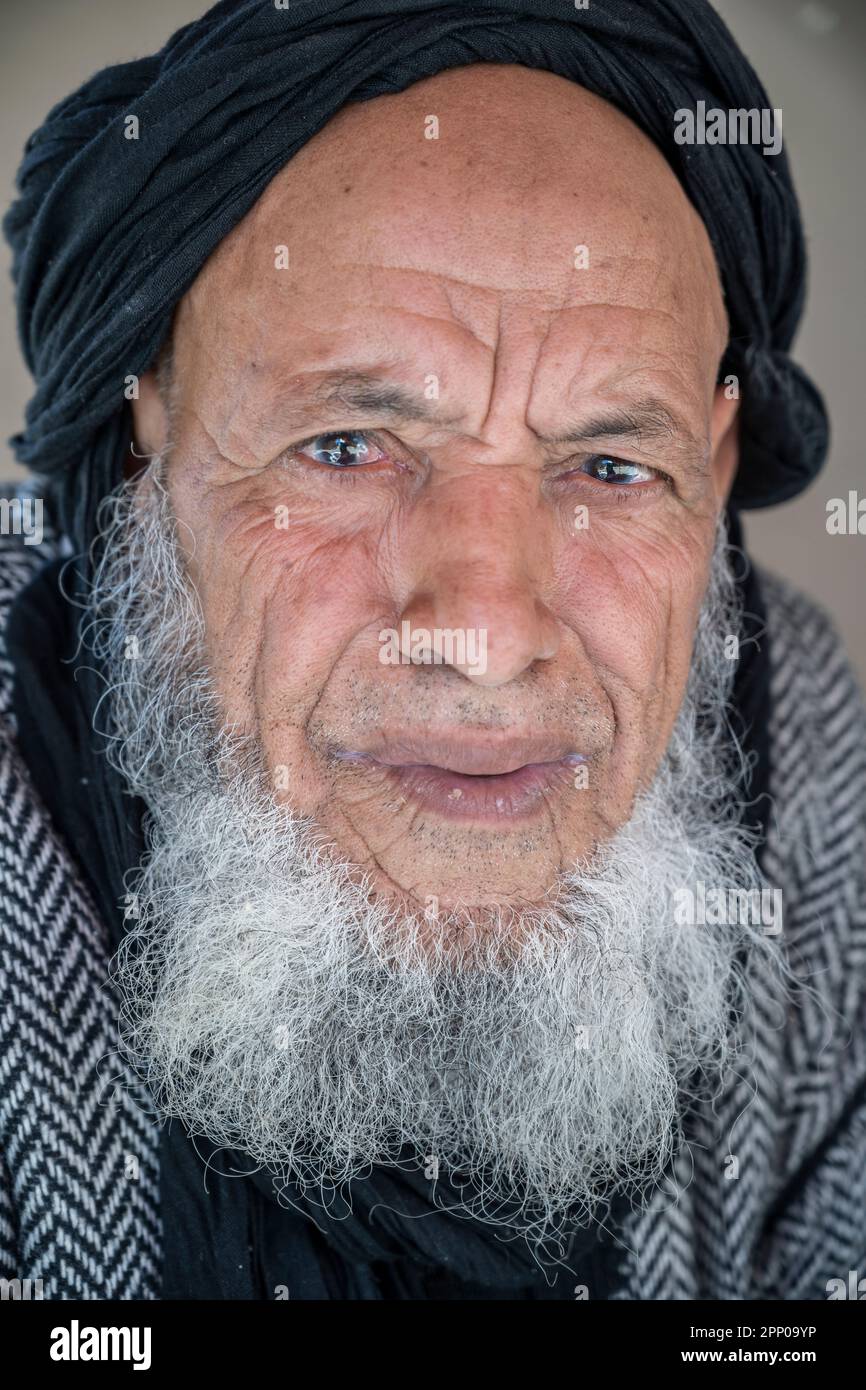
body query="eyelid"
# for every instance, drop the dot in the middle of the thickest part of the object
(380, 438)
(339, 429)
(578, 464)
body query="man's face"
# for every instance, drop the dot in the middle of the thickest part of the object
(406, 400)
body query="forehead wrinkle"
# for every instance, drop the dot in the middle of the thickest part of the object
(344, 386)
(522, 290)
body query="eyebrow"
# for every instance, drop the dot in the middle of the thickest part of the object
(366, 393)
(649, 420)
(646, 421)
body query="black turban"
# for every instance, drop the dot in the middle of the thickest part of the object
(109, 232)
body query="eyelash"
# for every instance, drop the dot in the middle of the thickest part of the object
(620, 492)
(348, 475)
(294, 452)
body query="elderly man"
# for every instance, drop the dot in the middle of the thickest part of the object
(476, 838)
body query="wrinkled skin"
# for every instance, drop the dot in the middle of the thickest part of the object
(454, 259)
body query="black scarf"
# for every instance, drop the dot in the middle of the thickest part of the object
(227, 1233)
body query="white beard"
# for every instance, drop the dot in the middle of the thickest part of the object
(275, 1008)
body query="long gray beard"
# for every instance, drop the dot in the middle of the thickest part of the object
(275, 1007)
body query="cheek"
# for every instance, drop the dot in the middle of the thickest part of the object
(631, 596)
(282, 606)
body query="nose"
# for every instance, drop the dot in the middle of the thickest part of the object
(480, 555)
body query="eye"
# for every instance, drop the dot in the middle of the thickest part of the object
(341, 449)
(606, 469)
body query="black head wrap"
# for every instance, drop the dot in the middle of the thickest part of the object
(109, 232)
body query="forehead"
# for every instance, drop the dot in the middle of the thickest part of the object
(539, 228)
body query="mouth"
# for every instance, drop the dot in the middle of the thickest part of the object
(477, 782)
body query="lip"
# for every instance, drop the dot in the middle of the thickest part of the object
(475, 755)
(490, 780)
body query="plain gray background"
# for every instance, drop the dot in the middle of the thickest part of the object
(811, 60)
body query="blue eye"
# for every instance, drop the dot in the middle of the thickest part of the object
(341, 449)
(610, 470)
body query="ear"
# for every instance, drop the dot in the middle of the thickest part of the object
(724, 443)
(149, 424)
